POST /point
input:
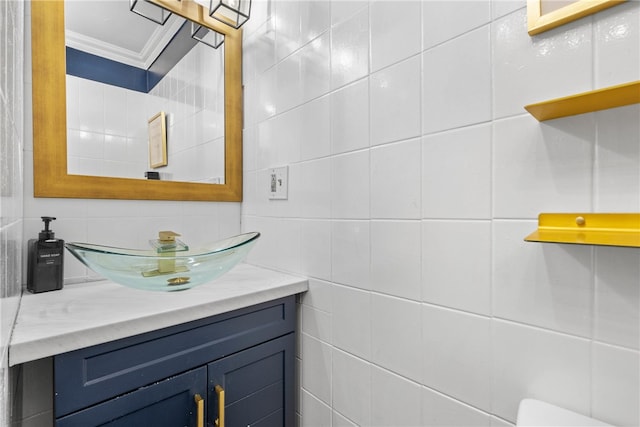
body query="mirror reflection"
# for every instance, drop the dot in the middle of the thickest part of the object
(122, 70)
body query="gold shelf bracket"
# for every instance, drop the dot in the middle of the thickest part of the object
(603, 229)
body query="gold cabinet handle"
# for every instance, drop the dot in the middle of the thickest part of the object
(220, 393)
(200, 405)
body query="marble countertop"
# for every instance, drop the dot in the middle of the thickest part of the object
(87, 314)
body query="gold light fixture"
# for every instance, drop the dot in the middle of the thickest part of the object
(207, 36)
(230, 12)
(150, 11)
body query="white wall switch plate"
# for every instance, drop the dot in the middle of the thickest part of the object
(279, 183)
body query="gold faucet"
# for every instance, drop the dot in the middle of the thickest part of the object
(167, 245)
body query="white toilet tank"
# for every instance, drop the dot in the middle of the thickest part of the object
(533, 412)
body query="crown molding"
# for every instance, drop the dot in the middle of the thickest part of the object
(151, 50)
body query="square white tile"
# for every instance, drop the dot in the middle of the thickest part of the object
(439, 410)
(310, 187)
(313, 411)
(350, 117)
(315, 246)
(352, 388)
(289, 83)
(456, 355)
(616, 389)
(350, 192)
(548, 285)
(351, 321)
(316, 323)
(617, 45)
(396, 401)
(617, 160)
(350, 48)
(287, 27)
(395, 258)
(315, 67)
(396, 325)
(315, 118)
(315, 18)
(351, 253)
(445, 20)
(456, 173)
(617, 296)
(316, 368)
(534, 363)
(456, 82)
(395, 180)
(456, 264)
(529, 69)
(396, 31)
(542, 167)
(396, 102)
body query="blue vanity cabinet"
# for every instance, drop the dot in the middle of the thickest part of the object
(152, 379)
(167, 403)
(256, 384)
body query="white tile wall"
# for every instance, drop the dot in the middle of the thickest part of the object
(457, 357)
(615, 383)
(617, 297)
(395, 258)
(532, 69)
(549, 169)
(396, 401)
(349, 114)
(545, 285)
(395, 99)
(416, 176)
(352, 388)
(456, 79)
(395, 32)
(12, 141)
(441, 410)
(616, 173)
(350, 48)
(396, 195)
(395, 323)
(539, 364)
(617, 45)
(443, 283)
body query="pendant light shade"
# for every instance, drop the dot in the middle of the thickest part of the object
(205, 35)
(231, 12)
(150, 11)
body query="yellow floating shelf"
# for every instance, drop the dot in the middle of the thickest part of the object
(587, 102)
(607, 229)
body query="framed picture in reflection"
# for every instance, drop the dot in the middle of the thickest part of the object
(158, 140)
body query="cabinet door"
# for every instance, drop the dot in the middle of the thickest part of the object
(169, 403)
(258, 385)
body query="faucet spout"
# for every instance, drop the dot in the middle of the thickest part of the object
(167, 245)
(167, 242)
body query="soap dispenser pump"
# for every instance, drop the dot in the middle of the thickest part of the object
(45, 261)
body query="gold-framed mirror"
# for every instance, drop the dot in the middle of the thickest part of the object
(50, 122)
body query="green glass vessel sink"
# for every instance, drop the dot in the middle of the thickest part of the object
(165, 270)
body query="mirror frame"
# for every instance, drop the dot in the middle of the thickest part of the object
(538, 23)
(50, 117)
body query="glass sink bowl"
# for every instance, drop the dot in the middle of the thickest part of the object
(167, 271)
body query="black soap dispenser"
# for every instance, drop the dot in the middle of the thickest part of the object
(45, 261)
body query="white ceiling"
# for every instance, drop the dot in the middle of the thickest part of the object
(109, 29)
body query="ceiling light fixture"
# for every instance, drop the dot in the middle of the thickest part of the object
(207, 36)
(230, 12)
(150, 11)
